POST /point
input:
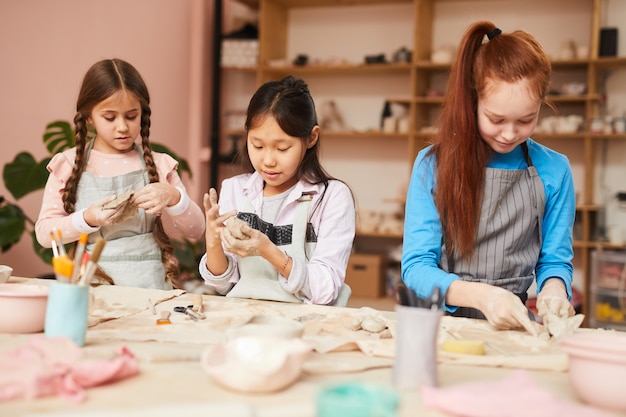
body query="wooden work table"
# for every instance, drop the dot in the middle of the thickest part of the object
(172, 382)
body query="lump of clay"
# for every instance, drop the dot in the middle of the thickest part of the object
(122, 200)
(559, 327)
(368, 323)
(236, 227)
(118, 201)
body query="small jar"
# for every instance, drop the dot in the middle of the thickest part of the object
(596, 125)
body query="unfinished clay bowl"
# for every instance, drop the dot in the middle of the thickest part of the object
(255, 364)
(23, 307)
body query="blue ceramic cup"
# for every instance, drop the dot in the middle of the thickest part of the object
(67, 311)
(357, 400)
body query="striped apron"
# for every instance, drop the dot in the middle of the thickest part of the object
(508, 240)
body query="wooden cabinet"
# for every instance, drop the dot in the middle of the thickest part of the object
(415, 84)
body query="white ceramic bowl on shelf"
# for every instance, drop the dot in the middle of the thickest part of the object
(23, 307)
(597, 367)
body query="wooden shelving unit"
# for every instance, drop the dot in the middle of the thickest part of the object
(420, 73)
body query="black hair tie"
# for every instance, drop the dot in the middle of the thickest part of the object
(494, 33)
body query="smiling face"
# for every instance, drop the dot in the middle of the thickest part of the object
(276, 155)
(507, 114)
(117, 121)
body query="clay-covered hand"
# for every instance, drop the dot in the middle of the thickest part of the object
(155, 197)
(214, 222)
(553, 300)
(99, 214)
(241, 239)
(504, 310)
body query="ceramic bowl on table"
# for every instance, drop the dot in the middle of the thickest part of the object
(256, 364)
(23, 307)
(597, 367)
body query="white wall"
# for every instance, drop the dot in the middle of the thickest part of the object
(47, 46)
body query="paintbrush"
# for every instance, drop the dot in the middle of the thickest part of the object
(59, 241)
(63, 267)
(78, 256)
(55, 249)
(92, 265)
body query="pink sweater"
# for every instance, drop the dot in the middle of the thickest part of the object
(185, 219)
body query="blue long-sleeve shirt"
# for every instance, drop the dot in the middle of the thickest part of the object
(422, 243)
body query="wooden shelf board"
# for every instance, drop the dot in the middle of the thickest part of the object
(363, 135)
(566, 136)
(360, 233)
(611, 136)
(402, 67)
(328, 3)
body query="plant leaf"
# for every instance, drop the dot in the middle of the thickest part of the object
(44, 253)
(12, 225)
(189, 254)
(24, 175)
(59, 136)
(183, 165)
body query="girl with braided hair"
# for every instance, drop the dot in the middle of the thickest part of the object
(86, 181)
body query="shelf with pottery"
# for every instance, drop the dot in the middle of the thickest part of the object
(337, 69)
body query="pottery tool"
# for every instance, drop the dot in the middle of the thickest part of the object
(151, 306)
(92, 265)
(78, 256)
(164, 318)
(197, 303)
(189, 312)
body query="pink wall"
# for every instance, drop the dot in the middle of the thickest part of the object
(45, 49)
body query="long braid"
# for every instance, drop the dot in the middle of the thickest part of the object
(170, 263)
(71, 187)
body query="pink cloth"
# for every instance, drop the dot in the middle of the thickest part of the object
(57, 366)
(517, 395)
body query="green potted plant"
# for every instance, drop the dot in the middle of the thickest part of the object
(24, 175)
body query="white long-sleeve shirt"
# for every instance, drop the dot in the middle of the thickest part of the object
(319, 279)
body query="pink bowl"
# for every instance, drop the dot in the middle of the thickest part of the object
(23, 307)
(597, 367)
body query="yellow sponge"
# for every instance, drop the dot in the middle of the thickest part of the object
(469, 347)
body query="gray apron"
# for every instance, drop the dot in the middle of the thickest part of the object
(258, 279)
(131, 256)
(508, 239)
